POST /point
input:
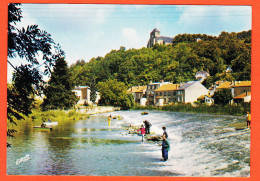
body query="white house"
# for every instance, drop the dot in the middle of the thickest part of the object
(83, 93)
(201, 75)
(190, 91)
(245, 97)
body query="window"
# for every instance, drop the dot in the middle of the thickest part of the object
(160, 93)
(165, 93)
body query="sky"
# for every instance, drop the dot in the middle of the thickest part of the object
(85, 31)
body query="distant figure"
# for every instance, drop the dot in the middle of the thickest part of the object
(165, 149)
(147, 126)
(49, 120)
(43, 125)
(142, 129)
(164, 132)
(248, 120)
(109, 120)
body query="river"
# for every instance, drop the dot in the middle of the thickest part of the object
(201, 145)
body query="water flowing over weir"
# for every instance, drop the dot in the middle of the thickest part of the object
(201, 145)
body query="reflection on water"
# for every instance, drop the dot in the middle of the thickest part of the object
(201, 145)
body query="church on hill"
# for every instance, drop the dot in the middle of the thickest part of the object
(155, 37)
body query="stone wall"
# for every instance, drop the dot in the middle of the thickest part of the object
(97, 109)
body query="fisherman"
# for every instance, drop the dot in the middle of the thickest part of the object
(248, 120)
(165, 149)
(164, 131)
(49, 120)
(109, 120)
(142, 129)
(43, 125)
(147, 126)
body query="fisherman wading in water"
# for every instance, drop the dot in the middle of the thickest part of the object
(248, 120)
(165, 149)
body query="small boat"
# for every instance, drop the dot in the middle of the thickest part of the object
(144, 113)
(51, 123)
(42, 128)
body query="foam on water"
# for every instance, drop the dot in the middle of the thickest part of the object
(201, 145)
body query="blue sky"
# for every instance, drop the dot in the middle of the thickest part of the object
(88, 30)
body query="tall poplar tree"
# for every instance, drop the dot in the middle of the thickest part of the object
(58, 93)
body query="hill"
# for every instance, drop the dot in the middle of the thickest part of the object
(177, 63)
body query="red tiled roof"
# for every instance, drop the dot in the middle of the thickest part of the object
(242, 96)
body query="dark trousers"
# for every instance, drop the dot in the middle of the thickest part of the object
(147, 130)
(248, 123)
(165, 154)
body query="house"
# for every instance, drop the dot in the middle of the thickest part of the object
(201, 75)
(242, 98)
(219, 85)
(138, 92)
(206, 99)
(150, 91)
(224, 85)
(156, 38)
(83, 93)
(190, 91)
(165, 94)
(240, 87)
(209, 100)
(228, 70)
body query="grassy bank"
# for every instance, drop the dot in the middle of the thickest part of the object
(37, 117)
(201, 108)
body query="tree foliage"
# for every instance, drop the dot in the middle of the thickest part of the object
(59, 93)
(27, 43)
(177, 63)
(115, 93)
(222, 97)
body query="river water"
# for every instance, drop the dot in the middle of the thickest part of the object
(201, 145)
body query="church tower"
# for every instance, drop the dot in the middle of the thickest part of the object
(153, 35)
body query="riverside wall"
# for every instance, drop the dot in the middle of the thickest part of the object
(97, 109)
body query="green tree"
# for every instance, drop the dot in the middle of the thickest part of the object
(115, 93)
(222, 97)
(59, 93)
(26, 43)
(93, 90)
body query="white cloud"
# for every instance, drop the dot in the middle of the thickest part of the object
(214, 18)
(130, 37)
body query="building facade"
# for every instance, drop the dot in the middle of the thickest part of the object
(166, 94)
(83, 93)
(189, 92)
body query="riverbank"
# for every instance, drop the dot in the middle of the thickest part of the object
(37, 117)
(236, 110)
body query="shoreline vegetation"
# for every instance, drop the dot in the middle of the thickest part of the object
(235, 110)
